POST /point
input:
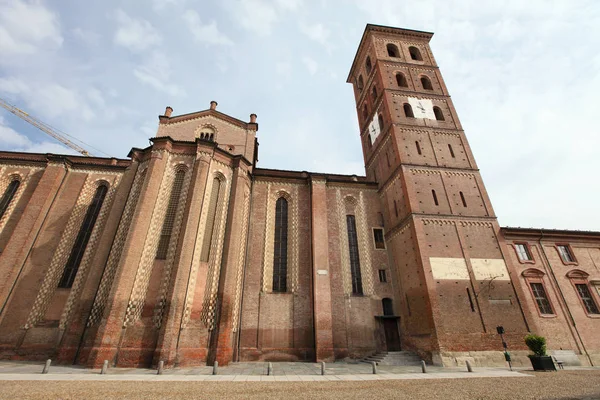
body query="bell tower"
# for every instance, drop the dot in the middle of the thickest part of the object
(451, 278)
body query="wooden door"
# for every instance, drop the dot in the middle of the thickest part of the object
(392, 338)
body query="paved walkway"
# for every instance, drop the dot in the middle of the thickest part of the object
(246, 371)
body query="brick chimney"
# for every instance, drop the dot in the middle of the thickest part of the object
(168, 111)
(252, 118)
(213, 105)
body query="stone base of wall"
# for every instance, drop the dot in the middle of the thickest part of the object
(266, 354)
(481, 358)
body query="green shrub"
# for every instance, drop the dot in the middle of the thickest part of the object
(537, 344)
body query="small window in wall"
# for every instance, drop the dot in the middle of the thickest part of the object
(378, 238)
(396, 208)
(365, 112)
(360, 83)
(435, 199)
(388, 308)
(382, 276)
(380, 120)
(523, 252)
(401, 80)
(539, 294)
(438, 113)
(418, 147)
(586, 298)
(408, 112)
(426, 83)
(415, 54)
(368, 65)
(374, 93)
(565, 253)
(462, 198)
(451, 151)
(392, 50)
(369, 140)
(387, 157)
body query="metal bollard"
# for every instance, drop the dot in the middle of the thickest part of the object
(161, 365)
(374, 365)
(216, 368)
(469, 368)
(423, 367)
(47, 366)
(270, 369)
(322, 367)
(104, 368)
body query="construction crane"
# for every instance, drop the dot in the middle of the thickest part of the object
(60, 136)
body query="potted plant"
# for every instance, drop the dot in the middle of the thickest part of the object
(540, 361)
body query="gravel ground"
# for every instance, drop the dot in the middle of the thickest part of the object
(549, 385)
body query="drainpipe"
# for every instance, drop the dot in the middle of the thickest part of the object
(564, 301)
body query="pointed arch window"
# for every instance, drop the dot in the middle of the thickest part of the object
(8, 196)
(169, 222)
(85, 231)
(401, 79)
(408, 111)
(438, 113)
(211, 221)
(392, 50)
(426, 83)
(368, 65)
(415, 54)
(357, 288)
(374, 93)
(280, 246)
(360, 83)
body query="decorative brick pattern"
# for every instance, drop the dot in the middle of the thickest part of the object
(6, 178)
(89, 254)
(62, 252)
(117, 248)
(241, 259)
(364, 241)
(344, 256)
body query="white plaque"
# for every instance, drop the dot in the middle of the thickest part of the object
(321, 272)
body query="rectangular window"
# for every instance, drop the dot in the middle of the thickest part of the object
(523, 252)
(586, 297)
(378, 237)
(382, 276)
(354, 256)
(539, 294)
(565, 253)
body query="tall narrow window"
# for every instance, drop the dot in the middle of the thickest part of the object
(387, 305)
(408, 112)
(401, 80)
(387, 157)
(418, 147)
(360, 83)
(378, 238)
(565, 253)
(368, 65)
(374, 93)
(167, 228)
(438, 113)
(523, 252)
(382, 276)
(380, 121)
(426, 83)
(85, 231)
(435, 200)
(209, 230)
(586, 297)
(280, 246)
(539, 294)
(462, 198)
(396, 208)
(8, 195)
(365, 112)
(451, 151)
(392, 50)
(369, 141)
(354, 257)
(415, 54)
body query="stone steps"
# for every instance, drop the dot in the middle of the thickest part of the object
(400, 358)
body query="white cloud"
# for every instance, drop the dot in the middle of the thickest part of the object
(291, 5)
(155, 72)
(11, 140)
(310, 64)
(205, 33)
(26, 28)
(257, 16)
(283, 68)
(86, 36)
(162, 5)
(318, 33)
(135, 34)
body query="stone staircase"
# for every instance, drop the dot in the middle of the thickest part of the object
(402, 358)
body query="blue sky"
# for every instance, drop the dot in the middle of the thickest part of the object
(523, 76)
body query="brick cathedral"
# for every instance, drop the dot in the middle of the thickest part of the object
(188, 252)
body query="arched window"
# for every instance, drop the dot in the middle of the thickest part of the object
(435, 199)
(211, 224)
(85, 231)
(167, 228)
(408, 112)
(462, 198)
(392, 50)
(368, 65)
(374, 93)
(438, 114)
(401, 79)
(415, 54)
(280, 246)
(206, 133)
(388, 307)
(426, 83)
(354, 256)
(8, 195)
(418, 147)
(380, 120)
(360, 83)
